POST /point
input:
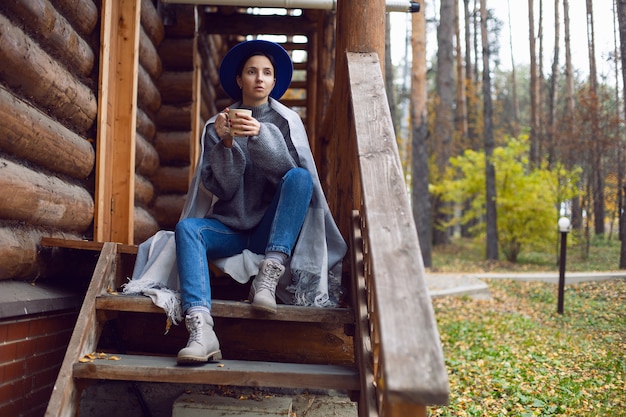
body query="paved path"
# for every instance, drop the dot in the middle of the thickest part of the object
(444, 284)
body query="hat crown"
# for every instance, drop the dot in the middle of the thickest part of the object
(236, 57)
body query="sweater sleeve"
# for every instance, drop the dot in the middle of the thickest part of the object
(222, 167)
(270, 153)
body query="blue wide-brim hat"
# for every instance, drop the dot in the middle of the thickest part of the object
(283, 66)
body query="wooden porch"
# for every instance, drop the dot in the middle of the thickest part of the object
(382, 346)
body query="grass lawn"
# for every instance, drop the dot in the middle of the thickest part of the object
(514, 355)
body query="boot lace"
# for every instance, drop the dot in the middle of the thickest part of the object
(271, 272)
(194, 327)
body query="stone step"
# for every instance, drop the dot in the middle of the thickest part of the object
(201, 405)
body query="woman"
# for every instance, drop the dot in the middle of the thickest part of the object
(264, 201)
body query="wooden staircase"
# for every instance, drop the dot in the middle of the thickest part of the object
(120, 337)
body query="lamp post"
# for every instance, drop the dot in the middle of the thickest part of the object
(564, 228)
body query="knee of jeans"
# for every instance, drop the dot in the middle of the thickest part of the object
(300, 176)
(183, 227)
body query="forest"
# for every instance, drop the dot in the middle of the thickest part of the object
(501, 155)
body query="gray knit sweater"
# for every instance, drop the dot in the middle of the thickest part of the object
(244, 177)
(313, 276)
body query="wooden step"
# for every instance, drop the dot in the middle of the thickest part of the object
(233, 309)
(223, 372)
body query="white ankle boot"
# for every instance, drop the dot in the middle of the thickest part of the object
(263, 289)
(203, 343)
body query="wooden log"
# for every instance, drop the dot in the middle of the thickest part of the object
(38, 199)
(144, 190)
(145, 125)
(144, 226)
(247, 24)
(83, 14)
(151, 22)
(177, 54)
(208, 91)
(146, 157)
(210, 59)
(148, 96)
(148, 55)
(223, 102)
(167, 208)
(19, 250)
(172, 179)
(29, 134)
(173, 147)
(184, 21)
(29, 69)
(51, 29)
(176, 87)
(174, 117)
(217, 48)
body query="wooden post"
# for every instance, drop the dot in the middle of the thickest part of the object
(360, 28)
(117, 110)
(196, 107)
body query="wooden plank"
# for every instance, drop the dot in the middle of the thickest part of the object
(65, 394)
(233, 309)
(247, 24)
(197, 123)
(84, 244)
(362, 343)
(223, 372)
(117, 119)
(411, 356)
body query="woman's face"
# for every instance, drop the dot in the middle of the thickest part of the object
(257, 80)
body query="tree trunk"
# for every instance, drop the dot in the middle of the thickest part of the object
(444, 116)
(461, 104)
(391, 96)
(597, 169)
(621, 16)
(541, 131)
(534, 89)
(490, 174)
(516, 122)
(420, 196)
(570, 106)
(553, 87)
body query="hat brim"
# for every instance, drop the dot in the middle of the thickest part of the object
(283, 66)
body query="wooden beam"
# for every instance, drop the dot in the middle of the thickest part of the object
(197, 123)
(244, 24)
(117, 110)
(409, 364)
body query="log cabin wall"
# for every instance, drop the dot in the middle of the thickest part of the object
(49, 53)
(188, 87)
(49, 80)
(48, 107)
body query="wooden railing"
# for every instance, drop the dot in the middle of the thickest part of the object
(397, 342)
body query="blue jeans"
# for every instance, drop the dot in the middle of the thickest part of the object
(199, 240)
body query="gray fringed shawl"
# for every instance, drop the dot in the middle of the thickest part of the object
(313, 276)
